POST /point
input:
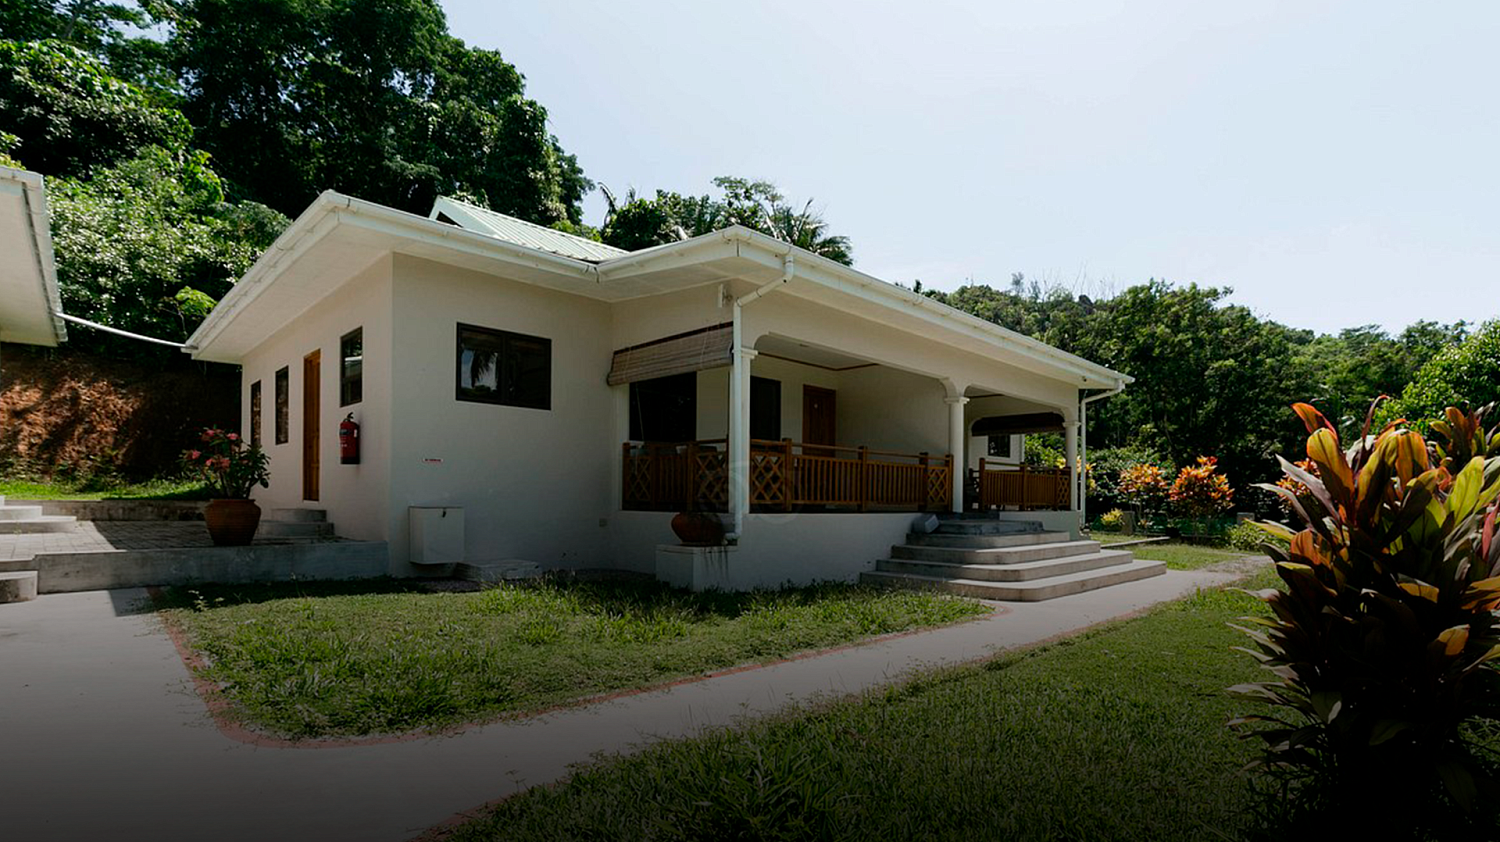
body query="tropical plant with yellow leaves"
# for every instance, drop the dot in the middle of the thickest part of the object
(1200, 490)
(1384, 639)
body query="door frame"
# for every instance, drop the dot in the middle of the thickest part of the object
(312, 416)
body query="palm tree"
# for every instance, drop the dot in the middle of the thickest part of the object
(806, 229)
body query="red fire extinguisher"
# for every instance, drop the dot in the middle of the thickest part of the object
(349, 441)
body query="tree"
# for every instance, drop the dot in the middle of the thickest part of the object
(641, 223)
(148, 246)
(369, 97)
(113, 33)
(70, 115)
(1462, 374)
(1359, 364)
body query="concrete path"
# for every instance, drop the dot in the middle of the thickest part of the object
(102, 736)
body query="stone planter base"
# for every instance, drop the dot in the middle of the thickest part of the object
(697, 568)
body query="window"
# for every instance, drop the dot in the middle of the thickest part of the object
(664, 408)
(351, 373)
(496, 366)
(255, 413)
(1000, 446)
(765, 408)
(283, 397)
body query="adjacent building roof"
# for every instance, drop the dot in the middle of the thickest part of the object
(521, 232)
(29, 302)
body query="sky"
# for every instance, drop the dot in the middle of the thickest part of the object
(1332, 162)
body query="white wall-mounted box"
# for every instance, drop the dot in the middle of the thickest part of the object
(437, 534)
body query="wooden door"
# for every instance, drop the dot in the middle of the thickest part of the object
(818, 416)
(311, 416)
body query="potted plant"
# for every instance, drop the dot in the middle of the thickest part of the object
(231, 470)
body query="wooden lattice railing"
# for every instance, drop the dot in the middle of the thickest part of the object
(785, 475)
(1023, 487)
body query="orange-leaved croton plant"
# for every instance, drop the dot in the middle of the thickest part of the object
(1384, 640)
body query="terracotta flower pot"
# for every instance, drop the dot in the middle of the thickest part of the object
(698, 529)
(231, 523)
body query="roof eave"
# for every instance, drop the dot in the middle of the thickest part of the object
(884, 291)
(34, 189)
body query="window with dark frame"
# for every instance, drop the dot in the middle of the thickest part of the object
(1000, 446)
(664, 409)
(352, 364)
(255, 413)
(283, 400)
(500, 367)
(765, 408)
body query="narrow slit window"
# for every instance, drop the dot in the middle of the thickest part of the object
(283, 404)
(255, 413)
(351, 372)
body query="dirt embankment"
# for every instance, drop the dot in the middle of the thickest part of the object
(64, 412)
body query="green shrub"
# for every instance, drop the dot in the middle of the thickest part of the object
(1249, 537)
(1105, 466)
(1383, 640)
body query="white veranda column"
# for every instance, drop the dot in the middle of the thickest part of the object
(957, 437)
(1071, 428)
(739, 437)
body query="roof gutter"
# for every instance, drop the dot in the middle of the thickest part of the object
(739, 439)
(1022, 344)
(1083, 447)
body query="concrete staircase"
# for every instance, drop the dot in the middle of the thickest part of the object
(16, 520)
(295, 525)
(1014, 561)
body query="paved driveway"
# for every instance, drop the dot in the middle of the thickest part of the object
(102, 736)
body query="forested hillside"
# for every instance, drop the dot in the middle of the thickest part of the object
(179, 136)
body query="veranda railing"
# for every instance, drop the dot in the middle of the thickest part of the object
(1023, 487)
(785, 476)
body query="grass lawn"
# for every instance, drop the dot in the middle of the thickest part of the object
(160, 489)
(323, 659)
(1115, 734)
(1179, 555)
(1183, 556)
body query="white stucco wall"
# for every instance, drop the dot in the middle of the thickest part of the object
(355, 496)
(534, 484)
(777, 548)
(888, 409)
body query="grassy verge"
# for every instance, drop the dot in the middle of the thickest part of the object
(311, 660)
(95, 489)
(1116, 734)
(1183, 556)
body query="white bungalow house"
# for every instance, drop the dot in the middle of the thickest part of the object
(570, 397)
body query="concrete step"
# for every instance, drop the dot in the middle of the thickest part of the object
(995, 555)
(19, 512)
(499, 570)
(1051, 587)
(298, 515)
(1024, 571)
(18, 586)
(277, 562)
(990, 526)
(939, 539)
(44, 523)
(294, 529)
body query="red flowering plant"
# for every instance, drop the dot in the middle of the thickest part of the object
(229, 467)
